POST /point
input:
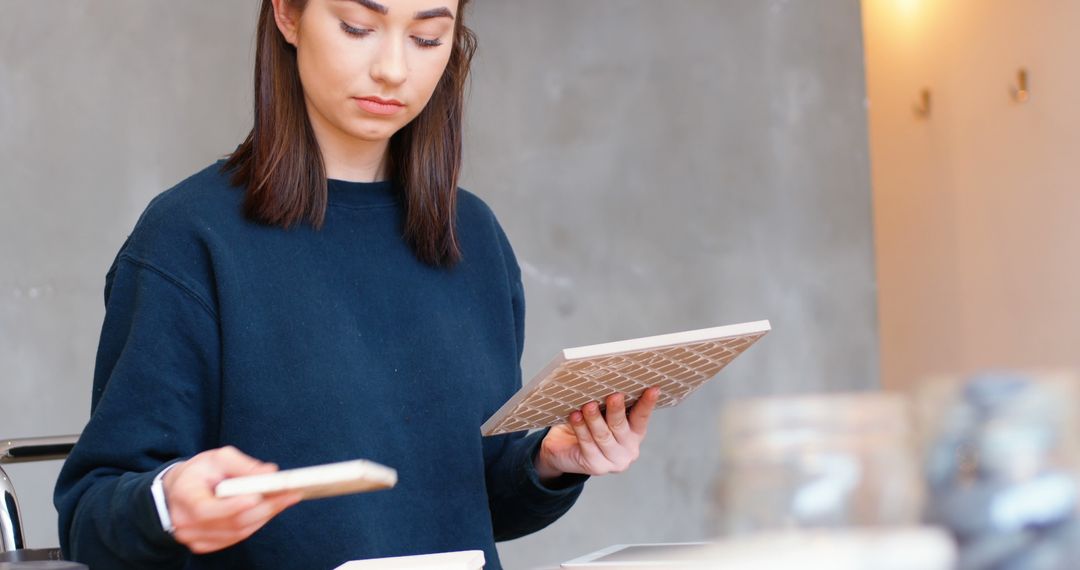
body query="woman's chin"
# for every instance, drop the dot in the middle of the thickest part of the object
(371, 133)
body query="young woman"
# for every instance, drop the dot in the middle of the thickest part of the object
(325, 294)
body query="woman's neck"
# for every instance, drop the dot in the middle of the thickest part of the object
(346, 157)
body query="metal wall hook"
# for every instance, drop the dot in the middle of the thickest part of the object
(922, 109)
(1020, 91)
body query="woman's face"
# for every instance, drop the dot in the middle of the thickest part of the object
(353, 53)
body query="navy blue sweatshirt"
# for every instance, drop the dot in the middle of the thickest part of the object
(303, 347)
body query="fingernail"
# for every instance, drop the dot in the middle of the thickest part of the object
(575, 418)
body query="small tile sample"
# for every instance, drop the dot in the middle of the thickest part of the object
(463, 560)
(677, 363)
(316, 482)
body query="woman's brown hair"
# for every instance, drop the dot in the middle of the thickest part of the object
(281, 168)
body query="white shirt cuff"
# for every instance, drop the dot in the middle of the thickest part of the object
(157, 490)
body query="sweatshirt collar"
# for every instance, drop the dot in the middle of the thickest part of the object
(382, 193)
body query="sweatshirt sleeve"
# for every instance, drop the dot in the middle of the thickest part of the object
(520, 503)
(154, 401)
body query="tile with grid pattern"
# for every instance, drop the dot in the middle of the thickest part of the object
(676, 370)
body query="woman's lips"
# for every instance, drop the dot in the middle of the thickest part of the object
(377, 106)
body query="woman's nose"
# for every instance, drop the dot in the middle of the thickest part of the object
(390, 66)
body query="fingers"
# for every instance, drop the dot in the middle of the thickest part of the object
(619, 454)
(198, 476)
(642, 410)
(204, 509)
(590, 453)
(601, 443)
(265, 510)
(208, 535)
(615, 415)
(599, 430)
(190, 494)
(234, 463)
(206, 523)
(222, 533)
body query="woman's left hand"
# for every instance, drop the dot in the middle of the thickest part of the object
(593, 443)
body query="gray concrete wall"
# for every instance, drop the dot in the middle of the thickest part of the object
(659, 166)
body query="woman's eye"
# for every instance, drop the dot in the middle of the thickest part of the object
(422, 42)
(361, 32)
(357, 32)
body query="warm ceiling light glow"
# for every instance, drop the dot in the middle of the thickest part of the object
(907, 7)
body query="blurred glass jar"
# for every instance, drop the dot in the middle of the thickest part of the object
(1001, 463)
(820, 461)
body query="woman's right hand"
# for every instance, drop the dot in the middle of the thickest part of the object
(205, 523)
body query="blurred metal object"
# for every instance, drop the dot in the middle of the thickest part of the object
(36, 448)
(11, 537)
(823, 461)
(40, 564)
(1001, 462)
(23, 451)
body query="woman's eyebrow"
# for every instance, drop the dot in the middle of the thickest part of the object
(422, 15)
(433, 13)
(371, 5)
